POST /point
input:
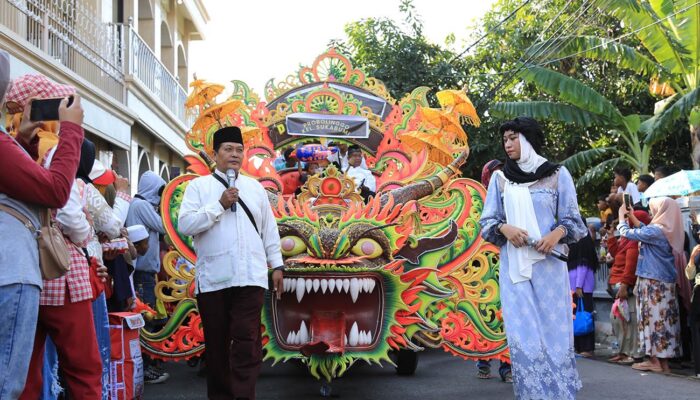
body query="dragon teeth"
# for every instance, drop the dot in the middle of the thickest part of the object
(354, 289)
(339, 285)
(354, 335)
(300, 289)
(303, 337)
(352, 286)
(299, 337)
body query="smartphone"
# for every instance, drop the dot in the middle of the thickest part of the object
(627, 200)
(47, 109)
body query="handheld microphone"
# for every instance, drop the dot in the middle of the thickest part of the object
(232, 176)
(556, 254)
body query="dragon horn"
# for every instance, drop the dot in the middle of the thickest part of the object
(426, 187)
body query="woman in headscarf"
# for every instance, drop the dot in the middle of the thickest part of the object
(65, 304)
(661, 244)
(28, 189)
(625, 253)
(535, 199)
(583, 263)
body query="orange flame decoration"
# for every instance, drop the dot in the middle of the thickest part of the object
(293, 208)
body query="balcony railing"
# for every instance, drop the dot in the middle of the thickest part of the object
(68, 32)
(150, 71)
(101, 53)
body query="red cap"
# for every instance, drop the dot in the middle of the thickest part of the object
(105, 179)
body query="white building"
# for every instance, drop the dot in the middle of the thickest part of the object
(129, 61)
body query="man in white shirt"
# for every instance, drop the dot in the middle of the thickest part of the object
(623, 181)
(341, 157)
(364, 180)
(236, 239)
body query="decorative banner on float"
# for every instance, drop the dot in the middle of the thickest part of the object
(328, 125)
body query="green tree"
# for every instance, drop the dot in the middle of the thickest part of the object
(669, 33)
(582, 106)
(399, 54)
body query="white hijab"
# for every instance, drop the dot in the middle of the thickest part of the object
(529, 159)
(520, 212)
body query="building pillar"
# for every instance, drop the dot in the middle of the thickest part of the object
(134, 161)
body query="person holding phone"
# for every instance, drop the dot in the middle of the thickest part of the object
(29, 189)
(623, 181)
(622, 280)
(661, 243)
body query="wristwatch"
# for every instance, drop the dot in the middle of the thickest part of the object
(498, 227)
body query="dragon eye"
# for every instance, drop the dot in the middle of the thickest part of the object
(292, 246)
(367, 247)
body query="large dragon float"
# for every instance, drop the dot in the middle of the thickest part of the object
(406, 270)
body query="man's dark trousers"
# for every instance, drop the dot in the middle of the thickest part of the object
(231, 322)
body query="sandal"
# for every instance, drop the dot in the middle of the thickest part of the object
(625, 361)
(483, 373)
(507, 377)
(615, 358)
(647, 366)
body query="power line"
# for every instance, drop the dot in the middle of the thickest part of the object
(546, 48)
(623, 36)
(540, 52)
(509, 16)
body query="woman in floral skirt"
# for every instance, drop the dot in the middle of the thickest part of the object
(661, 242)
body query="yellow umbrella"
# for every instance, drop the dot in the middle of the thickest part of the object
(213, 116)
(249, 132)
(457, 101)
(446, 122)
(419, 141)
(216, 114)
(202, 93)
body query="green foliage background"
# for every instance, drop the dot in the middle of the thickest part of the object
(399, 54)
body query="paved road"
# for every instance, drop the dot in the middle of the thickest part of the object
(439, 376)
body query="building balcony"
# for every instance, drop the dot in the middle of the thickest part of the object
(110, 57)
(143, 66)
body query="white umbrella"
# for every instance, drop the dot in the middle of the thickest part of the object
(681, 183)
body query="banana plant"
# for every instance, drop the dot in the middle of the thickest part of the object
(578, 104)
(669, 31)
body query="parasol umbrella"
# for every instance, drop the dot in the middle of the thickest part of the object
(202, 93)
(419, 141)
(457, 101)
(681, 183)
(250, 133)
(216, 115)
(213, 116)
(446, 122)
